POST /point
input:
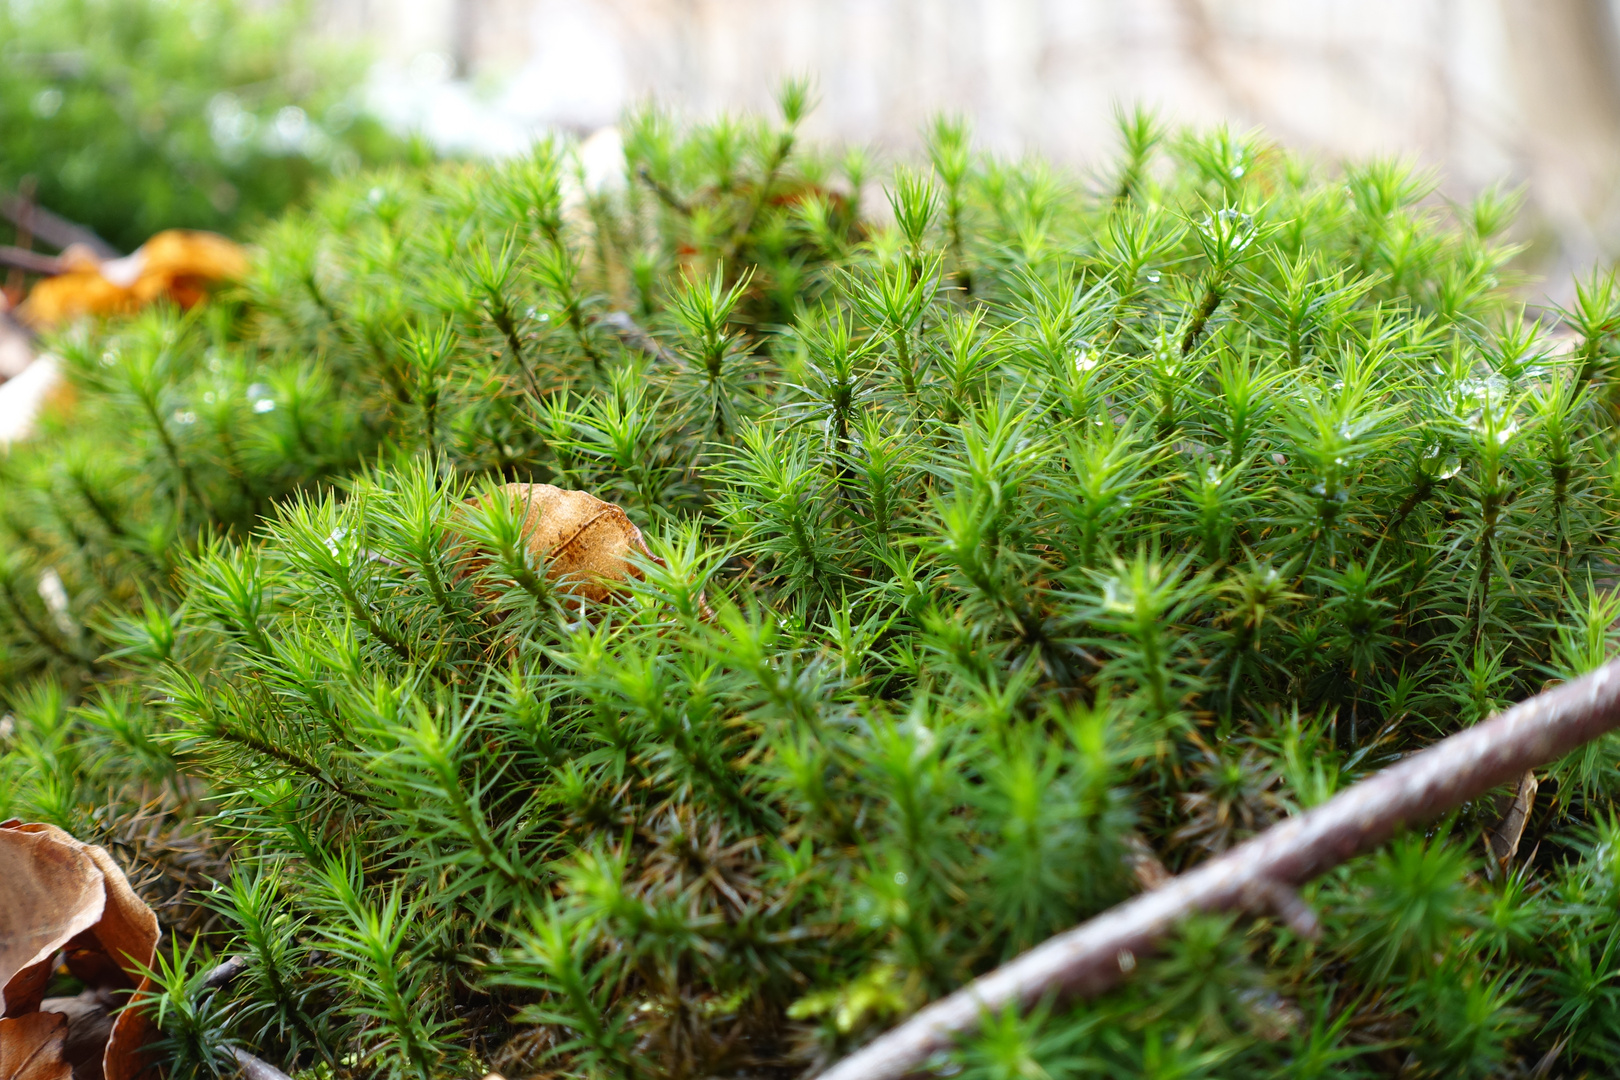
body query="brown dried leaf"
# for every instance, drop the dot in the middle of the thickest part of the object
(31, 1048)
(126, 1057)
(177, 264)
(180, 264)
(89, 1024)
(584, 543)
(50, 892)
(127, 934)
(62, 894)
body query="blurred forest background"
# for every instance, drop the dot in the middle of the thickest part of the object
(1522, 91)
(134, 115)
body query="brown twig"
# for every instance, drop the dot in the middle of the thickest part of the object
(1262, 872)
(636, 337)
(256, 1068)
(224, 974)
(55, 230)
(663, 191)
(31, 262)
(24, 223)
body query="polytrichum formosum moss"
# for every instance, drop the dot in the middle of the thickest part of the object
(1001, 525)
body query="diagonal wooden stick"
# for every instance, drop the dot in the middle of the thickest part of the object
(634, 336)
(55, 230)
(32, 262)
(256, 1068)
(1261, 872)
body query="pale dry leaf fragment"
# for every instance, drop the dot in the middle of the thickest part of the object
(1505, 836)
(256, 1068)
(31, 1048)
(24, 399)
(16, 346)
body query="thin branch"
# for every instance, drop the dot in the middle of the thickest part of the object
(636, 337)
(784, 148)
(25, 233)
(224, 974)
(30, 261)
(54, 229)
(256, 1068)
(663, 191)
(1261, 872)
(289, 759)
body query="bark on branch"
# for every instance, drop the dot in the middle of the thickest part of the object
(1261, 872)
(256, 1068)
(54, 229)
(225, 973)
(32, 262)
(636, 337)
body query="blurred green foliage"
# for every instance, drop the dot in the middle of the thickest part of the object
(138, 115)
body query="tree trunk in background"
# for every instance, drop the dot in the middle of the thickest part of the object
(1522, 91)
(463, 37)
(1565, 56)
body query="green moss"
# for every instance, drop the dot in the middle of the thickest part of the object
(1041, 525)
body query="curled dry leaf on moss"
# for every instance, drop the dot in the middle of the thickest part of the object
(585, 544)
(589, 549)
(66, 904)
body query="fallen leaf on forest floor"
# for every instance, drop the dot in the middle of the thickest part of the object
(60, 896)
(1504, 838)
(31, 1048)
(177, 264)
(588, 548)
(586, 545)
